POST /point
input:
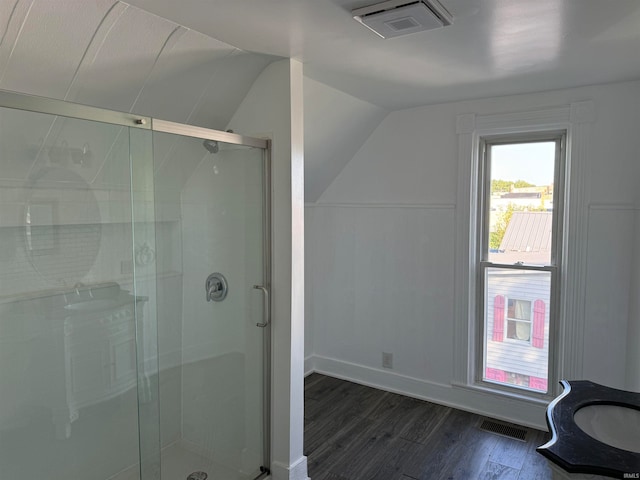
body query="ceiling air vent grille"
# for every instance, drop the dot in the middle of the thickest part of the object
(403, 24)
(399, 17)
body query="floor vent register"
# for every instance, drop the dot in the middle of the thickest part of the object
(504, 429)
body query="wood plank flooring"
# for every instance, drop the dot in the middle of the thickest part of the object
(353, 432)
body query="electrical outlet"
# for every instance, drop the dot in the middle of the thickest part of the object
(387, 360)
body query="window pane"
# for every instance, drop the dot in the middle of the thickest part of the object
(521, 203)
(518, 330)
(519, 309)
(516, 321)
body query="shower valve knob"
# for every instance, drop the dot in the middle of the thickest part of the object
(216, 287)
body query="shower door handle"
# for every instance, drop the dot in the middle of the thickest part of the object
(266, 306)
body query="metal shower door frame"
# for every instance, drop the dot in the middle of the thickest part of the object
(265, 144)
(62, 108)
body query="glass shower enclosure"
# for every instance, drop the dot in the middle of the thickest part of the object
(134, 296)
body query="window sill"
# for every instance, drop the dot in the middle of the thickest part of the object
(533, 399)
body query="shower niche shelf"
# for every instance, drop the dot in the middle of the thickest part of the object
(14, 217)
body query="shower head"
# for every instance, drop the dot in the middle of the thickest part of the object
(211, 146)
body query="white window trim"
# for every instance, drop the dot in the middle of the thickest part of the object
(576, 119)
(507, 319)
(553, 266)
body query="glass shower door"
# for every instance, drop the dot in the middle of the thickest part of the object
(210, 243)
(133, 297)
(69, 355)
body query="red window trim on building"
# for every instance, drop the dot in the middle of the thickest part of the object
(498, 318)
(495, 374)
(538, 323)
(538, 383)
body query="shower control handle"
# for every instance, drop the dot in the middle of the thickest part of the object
(266, 306)
(216, 287)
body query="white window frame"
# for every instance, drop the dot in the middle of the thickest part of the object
(507, 319)
(577, 120)
(483, 264)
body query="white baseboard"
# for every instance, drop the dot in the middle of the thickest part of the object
(309, 365)
(295, 471)
(513, 410)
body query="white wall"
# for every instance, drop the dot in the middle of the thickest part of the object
(335, 126)
(273, 109)
(381, 256)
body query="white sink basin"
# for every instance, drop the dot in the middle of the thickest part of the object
(612, 425)
(91, 305)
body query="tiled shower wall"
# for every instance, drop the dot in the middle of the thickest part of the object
(78, 253)
(87, 240)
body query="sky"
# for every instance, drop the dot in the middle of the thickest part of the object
(532, 162)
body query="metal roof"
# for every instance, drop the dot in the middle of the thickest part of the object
(527, 239)
(528, 232)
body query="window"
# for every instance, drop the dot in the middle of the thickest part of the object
(519, 320)
(519, 213)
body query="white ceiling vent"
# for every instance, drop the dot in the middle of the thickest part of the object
(401, 17)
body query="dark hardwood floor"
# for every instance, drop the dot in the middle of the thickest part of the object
(353, 432)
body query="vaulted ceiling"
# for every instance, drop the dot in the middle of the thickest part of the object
(112, 55)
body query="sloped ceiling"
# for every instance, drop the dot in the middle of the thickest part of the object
(112, 55)
(336, 125)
